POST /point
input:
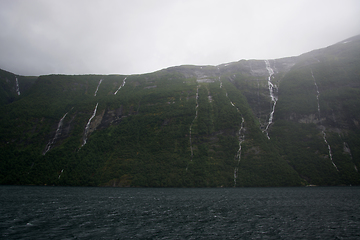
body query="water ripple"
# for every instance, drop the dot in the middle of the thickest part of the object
(233, 213)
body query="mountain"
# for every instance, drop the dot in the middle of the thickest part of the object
(285, 122)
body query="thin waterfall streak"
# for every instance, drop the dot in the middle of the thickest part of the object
(275, 70)
(329, 149)
(241, 140)
(235, 175)
(272, 89)
(123, 84)
(347, 150)
(323, 131)
(232, 104)
(98, 87)
(88, 125)
(317, 94)
(190, 129)
(57, 133)
(238, 154)
(17, 86)
(219, 77)
(61, 173)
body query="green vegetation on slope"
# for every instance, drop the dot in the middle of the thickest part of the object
(180, 127)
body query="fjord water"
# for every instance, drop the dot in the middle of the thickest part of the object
(29, 212)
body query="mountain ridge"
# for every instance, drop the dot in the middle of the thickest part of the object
(291, 121)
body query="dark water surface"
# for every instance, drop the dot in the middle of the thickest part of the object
(28, 212)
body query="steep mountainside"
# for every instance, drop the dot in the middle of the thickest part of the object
(283, 122)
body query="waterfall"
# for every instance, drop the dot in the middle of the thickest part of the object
(57, 133)
(241, 137)
(272, 89)
(88, 125)
(196, 114)
(238, 154)
(98, 87)
(219, 77)
(241, 140)
(329, 149)
(123, 84)
(17, 86)
(323, 128)
(317, 94)
(348, 151)
(61, 173)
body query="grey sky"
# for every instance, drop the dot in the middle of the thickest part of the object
(138, 36)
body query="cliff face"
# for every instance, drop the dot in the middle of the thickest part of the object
(283, 122)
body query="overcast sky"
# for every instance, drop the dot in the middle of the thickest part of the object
(138, 36)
